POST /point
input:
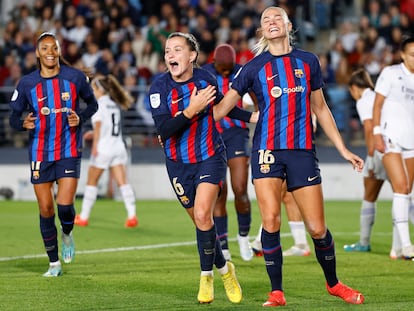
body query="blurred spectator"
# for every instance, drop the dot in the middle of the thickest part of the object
(79, 32)
(91, 56)
(29, 62)
(105, 63)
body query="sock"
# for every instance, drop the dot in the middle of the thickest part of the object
(272, 253)
(298, 232)
(222, 233)
(128, 196)
(325, 253)
(206, 241)
(244, 221)
(49, 235)
(259, 234)
(411, 212)
(66, 215)
(396, 242)
(219, 260)
(89, 199)
(367, 218)
(400, 205)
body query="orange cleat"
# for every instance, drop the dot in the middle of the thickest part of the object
(81, 222)
(346, 293)
(276, 298)
(131, 222)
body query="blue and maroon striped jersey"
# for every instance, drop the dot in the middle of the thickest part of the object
(224, 84)
(200, 140)
(51, 100)
(282, 85)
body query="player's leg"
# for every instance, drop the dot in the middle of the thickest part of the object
(89, 196)
(296, 224)
(238, 175)
(127, 194)
(221, 221)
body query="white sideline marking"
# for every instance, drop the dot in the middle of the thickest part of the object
(153, 246)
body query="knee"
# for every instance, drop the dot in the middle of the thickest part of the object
(316, 232)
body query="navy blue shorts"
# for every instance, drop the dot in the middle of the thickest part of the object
(185, 177)
(43, 172)
(236, 140)
(299, 167)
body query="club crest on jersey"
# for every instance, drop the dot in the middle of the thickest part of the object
(35, 175)
(276, 91)
(155, 100)
(184, 199)
(298, 73)
(65, 96)
(264, 168)
(45, 111)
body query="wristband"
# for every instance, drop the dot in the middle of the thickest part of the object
(376, 130)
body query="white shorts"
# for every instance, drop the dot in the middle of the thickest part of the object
(392, 147)
(107, 160)
(377, 167)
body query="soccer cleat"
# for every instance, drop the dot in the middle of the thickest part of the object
(246, 251)
(53, 271)
(346, 293)
(257, 247)
(81, 222)
(131, 222)
(226, 254)
(298, 250)
(396, 254)
(68, 247)
(408, 252)
(276, 298)
(357, 247)
(206, 290)
(231, 284)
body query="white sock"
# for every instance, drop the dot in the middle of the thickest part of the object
(128, 196)
(207, 273)
(297, 228)
(224, 269)
(411, 212)
(89, 199)
(367, 218)
(258, 237)
(400, 205)
(396, 242)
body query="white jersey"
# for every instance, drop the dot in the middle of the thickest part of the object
(109, 114)
(396, 83)
(365, 105)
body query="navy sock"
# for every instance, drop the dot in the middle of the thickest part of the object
(222, 231)
(272, 253)
(244, 221)
(325, 253)
(219, 260)
(206, 243)
(66, 215)
(49, 235)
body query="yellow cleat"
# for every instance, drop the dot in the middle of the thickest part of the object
(231, 284)
(206, 290)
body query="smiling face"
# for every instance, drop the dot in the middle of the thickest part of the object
(275, 23)
(47, 53)
(179, 58)
(407, 55)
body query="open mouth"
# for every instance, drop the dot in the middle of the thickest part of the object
(173, 65)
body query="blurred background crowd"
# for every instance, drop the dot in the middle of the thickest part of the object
(126, 38)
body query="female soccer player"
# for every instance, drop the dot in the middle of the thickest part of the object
(108, 148)
(235, 134)
(182, 101)
(51, 96)
(287, 83)
(361, 88)
(393, 120)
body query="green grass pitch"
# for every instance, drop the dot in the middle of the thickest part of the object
(155, 266)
